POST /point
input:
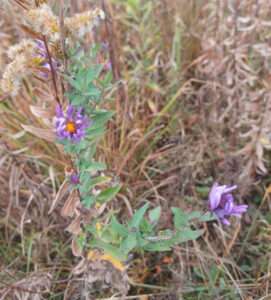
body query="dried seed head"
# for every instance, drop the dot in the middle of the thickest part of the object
(43, 21)
(13, 74)
(82, 23)
(26, 56)
(25, 47)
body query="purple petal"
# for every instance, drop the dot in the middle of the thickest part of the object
(228, 207)
(215, 195)
(230, 188)
(70, 111)
(59, 111)
(40, 44)
(220, 213)
(239, 209)
(227, 197)
(74, 178)
(225, 222)
(46, 65)
(221, 202)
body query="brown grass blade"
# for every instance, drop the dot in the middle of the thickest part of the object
(60, 194)
(46, 134)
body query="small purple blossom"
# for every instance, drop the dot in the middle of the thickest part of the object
(74, 178)
(108, 66)
(71, 125)
(221, 202)
(43, 57)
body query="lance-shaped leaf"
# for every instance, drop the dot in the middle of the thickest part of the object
(46, 134)
(138, 216)
(108, 194)
(60, 194)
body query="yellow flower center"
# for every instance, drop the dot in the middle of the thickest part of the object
(54, 27)
(70, 127)
(37, 61)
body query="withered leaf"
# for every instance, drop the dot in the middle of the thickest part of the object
(40, 112)
(47, 134)
(60, 194)
(76, 249)
(75, 227)
(80, 267)
(68, 210)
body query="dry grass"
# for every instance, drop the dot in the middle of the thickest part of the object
(192, 102)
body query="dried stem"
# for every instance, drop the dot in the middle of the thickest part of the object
(21, 4)
(110, 32)
(52, 70)
(11, 286)
(62, 33)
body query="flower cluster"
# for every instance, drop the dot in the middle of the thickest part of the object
(221, 202)
(25, 47)
(13, 74)
(31, 54)
(43, 21)
(71, 125)
(82, 23)
(20, 55)
(26, 56)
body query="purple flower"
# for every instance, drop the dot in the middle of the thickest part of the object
(221, 202)
(74, 178)
(42, 57)
(108, 66)
(71, 125)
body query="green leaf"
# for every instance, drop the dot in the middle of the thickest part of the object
(207, 217)
(159, 246)
(107, 80)
(154, 214)
(180, 237)
(138, 216)
(74, 83)
(94, 72)
(118, 228)
(180, 217)
(88, 201)
(128, 244)
(75, 148)
(92, 92)
(94, 132)
(92, 166)
(132, 6)
(78, 100)
(194, 215)
(100, 118)
(81, 240)
(89, 152)
(141, 242)
(109, 236)
(203, 190)
(145, 226)
(187, 235)
(88, 183)
(108, 194)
